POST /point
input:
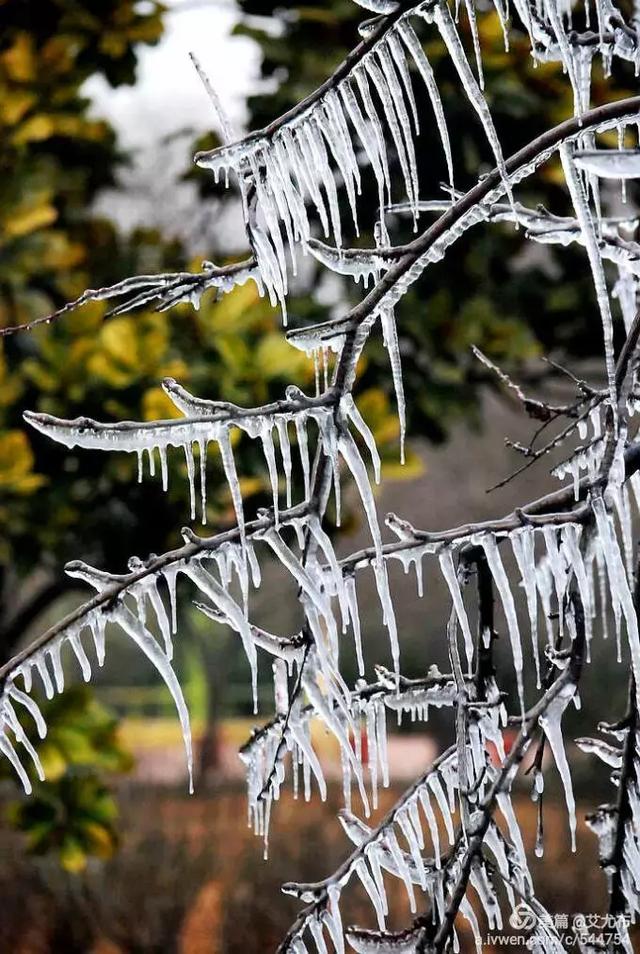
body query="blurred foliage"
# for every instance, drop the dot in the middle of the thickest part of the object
(73, 814)
(72, 817)
(56, 505)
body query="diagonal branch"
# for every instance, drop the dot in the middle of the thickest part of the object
(569, 676)
(121, 584)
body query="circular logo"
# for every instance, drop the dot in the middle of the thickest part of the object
(522, 917)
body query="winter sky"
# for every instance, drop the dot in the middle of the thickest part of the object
(168, 96)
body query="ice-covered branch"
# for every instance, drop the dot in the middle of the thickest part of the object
(376, 849)
(466, 211)
(204, 422)
(564, 548)
(156, 291)
(124, 600)
(549, 708)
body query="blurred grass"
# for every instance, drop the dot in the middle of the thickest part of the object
(140, 734)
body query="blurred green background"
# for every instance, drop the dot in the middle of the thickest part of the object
(97, 129)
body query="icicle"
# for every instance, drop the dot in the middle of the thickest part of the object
(202, 453)
(618, 584)
(400, 865)
(467, 912)
(558, 570)
(570, 537)
(383, 755)
(370, 887)
(10, 752)
(350, 587)
(364, 430)
(523, 545)
(285, 451)
(266, 436)
(449, 33)
(333, 920)
(56, 661)
(362, 81)
(390, 338)
(41, 665)
(188, 453)
(408, 831)
(81, 656)
(436, 787)
(97, 627)
(319, 154)
(451, 578)
(473, 25)
(367, 138)
(499, 575)
(123, 616)
(590, 237)
(316, 931)
(397, 99)
(391, 118)
(229, 608)
(400, 63)
(414, 46)
(551, 724)
(372, 752)
(31, 706)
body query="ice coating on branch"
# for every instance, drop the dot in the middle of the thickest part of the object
(361, 264)
(378, 6)
(609, 163)
(587, 225)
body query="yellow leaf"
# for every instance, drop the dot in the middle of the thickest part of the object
(102, 843)
(276, 358)
(19, 60)
(228, 312)
(35, 129)
(15, 105)
(156, 406)
(16, 464)
(29, 219)
(72, 857)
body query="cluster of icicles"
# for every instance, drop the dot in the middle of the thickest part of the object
(408, 844)
(304, 160)
(606, 819)
(307, 158)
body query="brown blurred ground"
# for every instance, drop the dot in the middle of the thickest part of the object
(190, 878)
